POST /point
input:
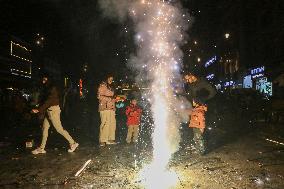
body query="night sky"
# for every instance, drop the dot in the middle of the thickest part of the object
(76, 33)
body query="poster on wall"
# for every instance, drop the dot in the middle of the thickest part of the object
(247, 82)
(264, 86)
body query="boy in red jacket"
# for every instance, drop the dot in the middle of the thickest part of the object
(133, 113)
(197, 122)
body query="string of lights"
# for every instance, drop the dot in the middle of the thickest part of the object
(274, 141)
(12, 54)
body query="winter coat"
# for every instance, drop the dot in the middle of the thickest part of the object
(52, 99)
(201, 89)
(197, 118)
(133, 114)
(106, 97)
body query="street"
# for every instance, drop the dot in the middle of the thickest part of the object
(234, 160)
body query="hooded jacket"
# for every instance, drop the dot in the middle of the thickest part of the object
(200, 89)
(197, 118)
(106, 97)
(133, 114)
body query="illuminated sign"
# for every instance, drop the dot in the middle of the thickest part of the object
(81, 87)
(264, 87)
(23, 55)
(218, 86)
(210, 76)
(257, 72)
(247, 82)
(20, 52)
(211, 61)
(229, 83)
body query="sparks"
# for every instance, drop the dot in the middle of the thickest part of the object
(162, 27)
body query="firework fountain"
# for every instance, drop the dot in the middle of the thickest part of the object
(160, 27)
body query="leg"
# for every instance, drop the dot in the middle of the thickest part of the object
(45, 128)
(54, 116)
(104, 127)
(198, 139)
(135, 133)
(129, 133)
(112, 125)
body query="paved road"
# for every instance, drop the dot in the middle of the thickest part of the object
(239, 157)
(248, 161)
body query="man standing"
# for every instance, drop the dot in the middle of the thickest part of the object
(50, 110)
(198, 88)
(107, 112)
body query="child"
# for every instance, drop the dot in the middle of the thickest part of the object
(197, 122)
(133, 113)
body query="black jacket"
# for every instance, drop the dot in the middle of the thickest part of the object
(52, 98)
(200, 89)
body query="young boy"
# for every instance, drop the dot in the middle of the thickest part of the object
(133, 113)
(197, 122)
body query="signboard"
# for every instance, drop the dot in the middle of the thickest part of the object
(23, 58)
(264, 87)
(247, 82)
(229, 83)
(211, 61)
(210, 76)
(257, 72)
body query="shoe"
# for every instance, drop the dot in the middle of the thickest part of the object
(110, 142)
(102, 144)
(73, 147)
(38, 151)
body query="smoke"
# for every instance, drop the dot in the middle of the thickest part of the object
(115, 9)
(160, 29)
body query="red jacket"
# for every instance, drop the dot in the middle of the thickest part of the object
(133, 114)
(197, 119)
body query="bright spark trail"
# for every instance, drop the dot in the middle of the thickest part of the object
(160, 27)
(160, 32)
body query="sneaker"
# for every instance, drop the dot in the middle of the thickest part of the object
(102, 144)
(73, 147)
(38, 151)
(111, 142)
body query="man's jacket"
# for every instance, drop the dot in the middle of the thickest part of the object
(201, 89)
(52, 99)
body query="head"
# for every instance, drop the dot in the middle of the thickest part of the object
(134, 102)
(190, 78)
(44, 80)
(109, 79)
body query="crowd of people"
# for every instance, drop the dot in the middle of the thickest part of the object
(197, 90)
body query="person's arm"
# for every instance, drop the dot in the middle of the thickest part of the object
(102, 93)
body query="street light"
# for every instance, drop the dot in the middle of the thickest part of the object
(227, 35)
(39, 40)
(198, 59)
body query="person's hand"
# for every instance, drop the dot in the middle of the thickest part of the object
(35, 111)
(202, 130)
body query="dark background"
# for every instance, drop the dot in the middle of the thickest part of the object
(76, 33)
